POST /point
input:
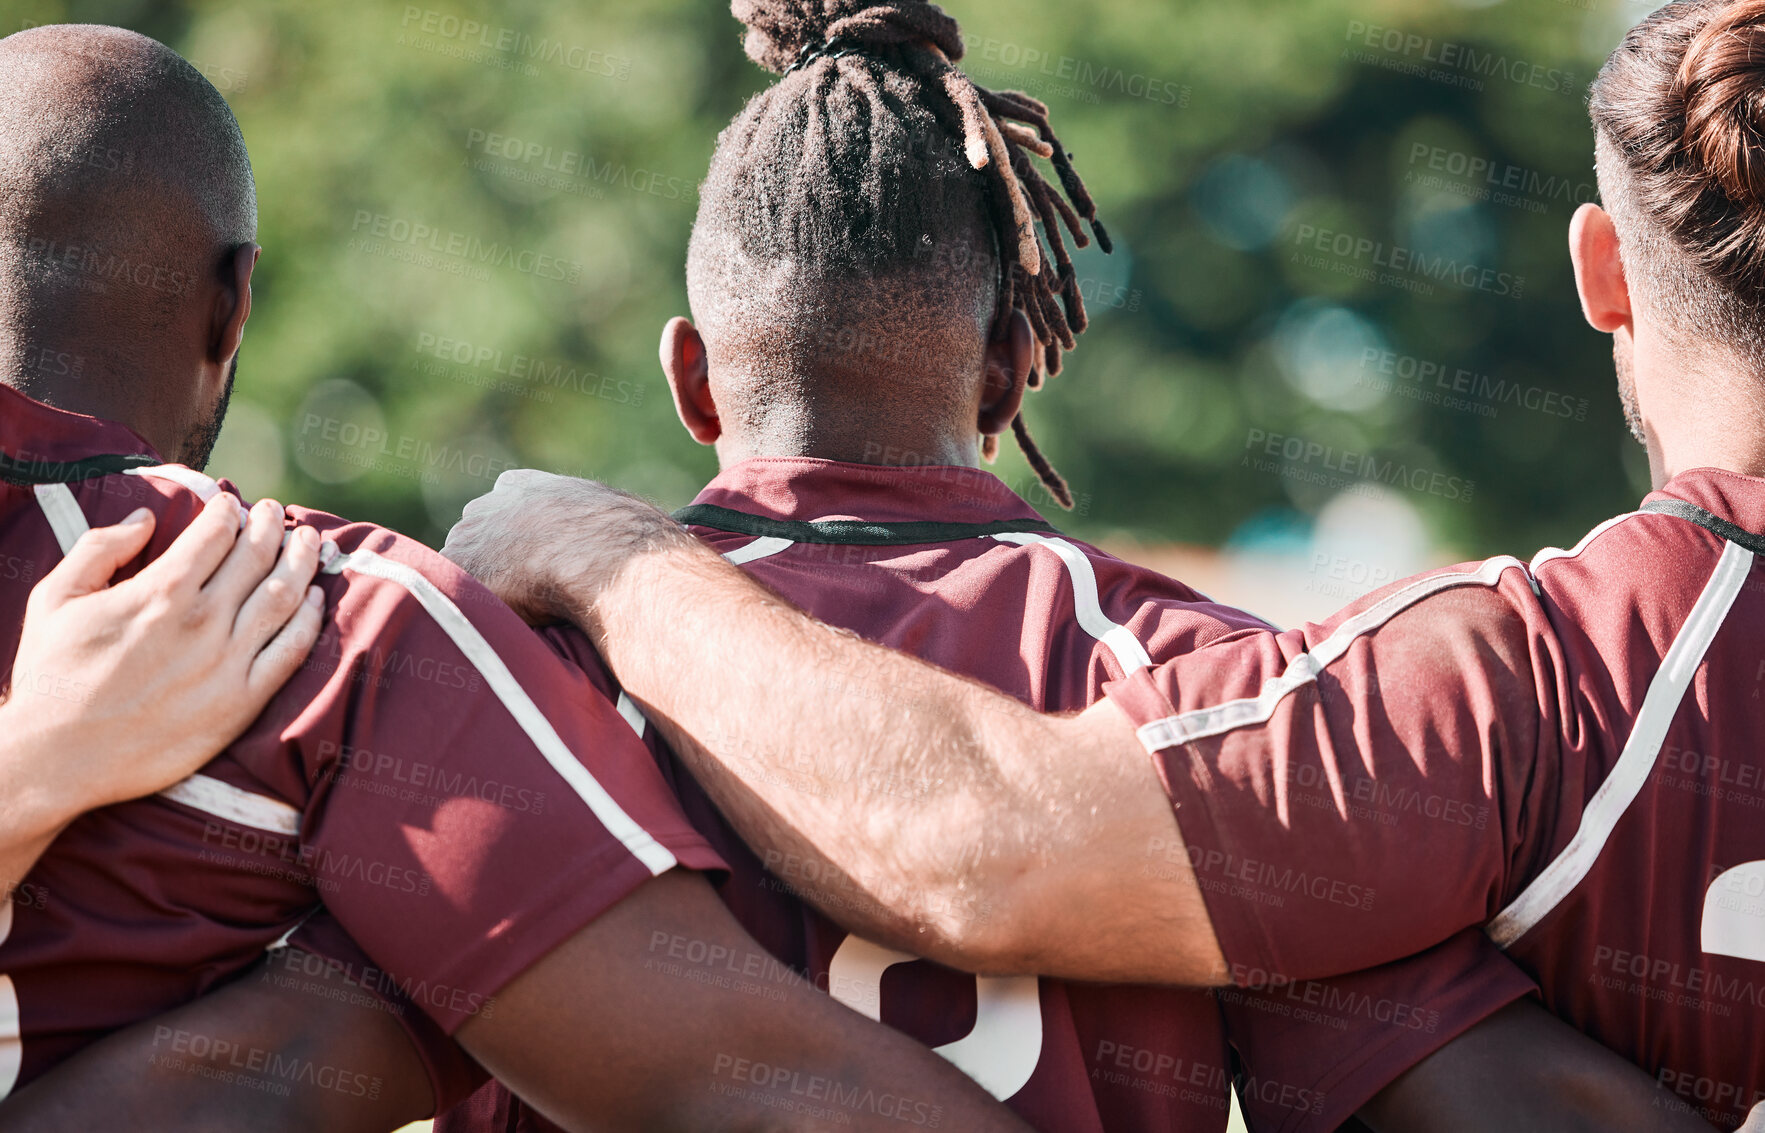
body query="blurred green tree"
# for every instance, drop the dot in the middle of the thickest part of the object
(1341, 267)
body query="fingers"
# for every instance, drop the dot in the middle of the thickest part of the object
(98, 555)
(251, 559)
(277, 598)
(285, 654)
(199, 548)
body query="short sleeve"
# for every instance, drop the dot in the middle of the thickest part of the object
(1313, 1052)
(471, 799)
(1358, 791)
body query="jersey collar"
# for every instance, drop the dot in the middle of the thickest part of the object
(807, 500)
(1729, 498)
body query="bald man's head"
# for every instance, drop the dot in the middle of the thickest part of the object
(125, 194)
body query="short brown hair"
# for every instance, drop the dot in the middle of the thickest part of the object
(1679, 110)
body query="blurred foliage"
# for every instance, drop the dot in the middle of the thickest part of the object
(389, 373)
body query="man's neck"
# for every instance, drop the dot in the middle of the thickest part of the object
(868, 447)
(1711, 414)
(889, 427)
(72, 383)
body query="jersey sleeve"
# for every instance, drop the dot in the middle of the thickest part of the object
(1313, 1052)
(1358, 791)
(469, 799)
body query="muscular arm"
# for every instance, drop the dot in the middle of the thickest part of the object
(259, 1055)
(1019, 843)
(120, 691)
(649, 1020)
(1524, 1070)
(643, 1022)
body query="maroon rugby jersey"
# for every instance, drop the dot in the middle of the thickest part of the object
(1566, 753)
(459, 798)
(952, 566)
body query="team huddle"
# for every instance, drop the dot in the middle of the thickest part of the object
(855, 795)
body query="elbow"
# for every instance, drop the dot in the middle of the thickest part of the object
(981, 921)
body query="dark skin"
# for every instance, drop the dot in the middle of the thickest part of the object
(596, 1035)
(1521, 1069)
(592, 1036)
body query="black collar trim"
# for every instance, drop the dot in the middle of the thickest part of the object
(26, 473)
(850, 532)
(1714, 524)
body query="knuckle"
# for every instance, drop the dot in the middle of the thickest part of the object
(279, 591)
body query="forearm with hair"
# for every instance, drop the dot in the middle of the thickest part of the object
(916, 808)
(861, 776)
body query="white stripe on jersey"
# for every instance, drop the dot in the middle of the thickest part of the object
(1614, 796)
(199, 792)
(746, 553)
(63, 513)
(1552, 554)
(759, 549)
(1123, 645)
(480, 653)
(245, 808)
(1201, 723)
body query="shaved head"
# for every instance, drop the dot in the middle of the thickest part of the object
(125, 193)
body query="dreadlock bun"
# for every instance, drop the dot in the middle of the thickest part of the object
(780, 31)
(874, 155)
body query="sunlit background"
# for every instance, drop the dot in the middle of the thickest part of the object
(1338, 341)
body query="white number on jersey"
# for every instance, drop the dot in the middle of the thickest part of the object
(1000, 1053)
(1734, 913)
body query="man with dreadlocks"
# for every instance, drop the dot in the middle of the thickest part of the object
(872, 298)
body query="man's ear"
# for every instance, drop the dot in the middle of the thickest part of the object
(1599, 271)
(232, 305)
(1010, 355)
(688, 369)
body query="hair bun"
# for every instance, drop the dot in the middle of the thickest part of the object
(779, 31)
(1722, 81)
